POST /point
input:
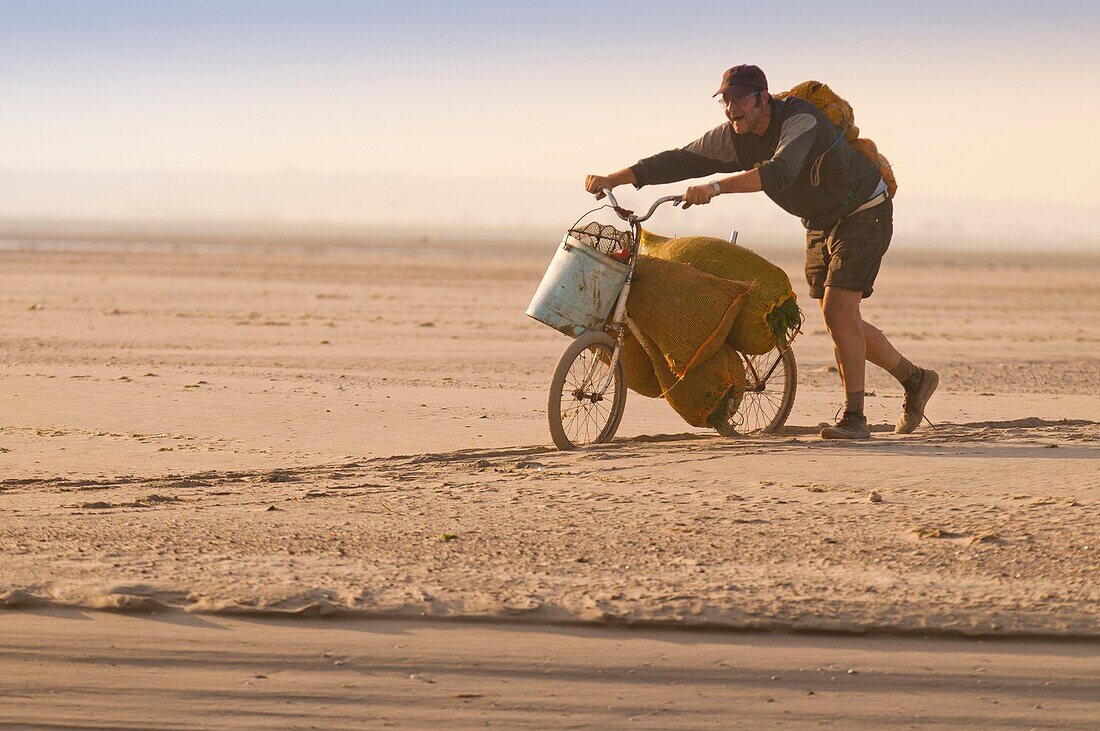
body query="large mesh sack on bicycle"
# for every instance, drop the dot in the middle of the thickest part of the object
(704, 395)
(770, 314)
(676, 347)
(687, 312)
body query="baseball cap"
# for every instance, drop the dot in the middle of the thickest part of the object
(742, 80)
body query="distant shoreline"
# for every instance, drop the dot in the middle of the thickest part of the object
(323, 239)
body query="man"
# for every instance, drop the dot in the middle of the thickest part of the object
(791, 151)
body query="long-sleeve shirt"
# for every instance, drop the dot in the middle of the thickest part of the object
(805, 167)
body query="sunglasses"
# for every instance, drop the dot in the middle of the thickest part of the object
(734, 101)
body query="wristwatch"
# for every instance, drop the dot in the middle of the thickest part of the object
(716, 187)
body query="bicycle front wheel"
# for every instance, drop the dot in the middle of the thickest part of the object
(770, 383)
(587, 397)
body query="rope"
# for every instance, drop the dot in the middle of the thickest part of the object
(815, 169)
(644, 341)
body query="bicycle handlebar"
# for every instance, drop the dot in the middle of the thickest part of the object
(629, 215)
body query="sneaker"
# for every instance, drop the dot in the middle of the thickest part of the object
(852, 425)
(915, 401)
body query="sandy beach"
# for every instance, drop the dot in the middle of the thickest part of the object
(364, 436)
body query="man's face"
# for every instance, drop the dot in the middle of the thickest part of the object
(744, 112)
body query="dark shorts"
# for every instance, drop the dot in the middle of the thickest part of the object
(851, 257)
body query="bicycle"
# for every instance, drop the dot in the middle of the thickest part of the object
(588, 388)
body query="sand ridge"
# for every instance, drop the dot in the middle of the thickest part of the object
(596, 537)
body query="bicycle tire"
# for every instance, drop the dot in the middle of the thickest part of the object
(595, 350)
(763, 410)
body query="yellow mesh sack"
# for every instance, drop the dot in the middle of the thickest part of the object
(770, 309)
(843, 117)
(686, 311)
(705, 389)
(869, 150)
(638, 368)
(831, 104)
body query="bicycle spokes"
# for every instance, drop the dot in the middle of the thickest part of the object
(769, 394)
(587, 397)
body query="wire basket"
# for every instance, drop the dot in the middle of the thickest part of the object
(604, 239)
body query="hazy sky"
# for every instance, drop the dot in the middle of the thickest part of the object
(988, 110)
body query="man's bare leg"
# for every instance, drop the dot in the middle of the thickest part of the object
(840, 308)
(879, 349)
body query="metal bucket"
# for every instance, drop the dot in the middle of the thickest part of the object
(578, 290)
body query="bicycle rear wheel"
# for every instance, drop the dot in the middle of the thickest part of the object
(771, 380)
(587, 397)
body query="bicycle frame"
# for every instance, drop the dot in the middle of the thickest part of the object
(619, 317)
(766, 411)
(758, 382)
